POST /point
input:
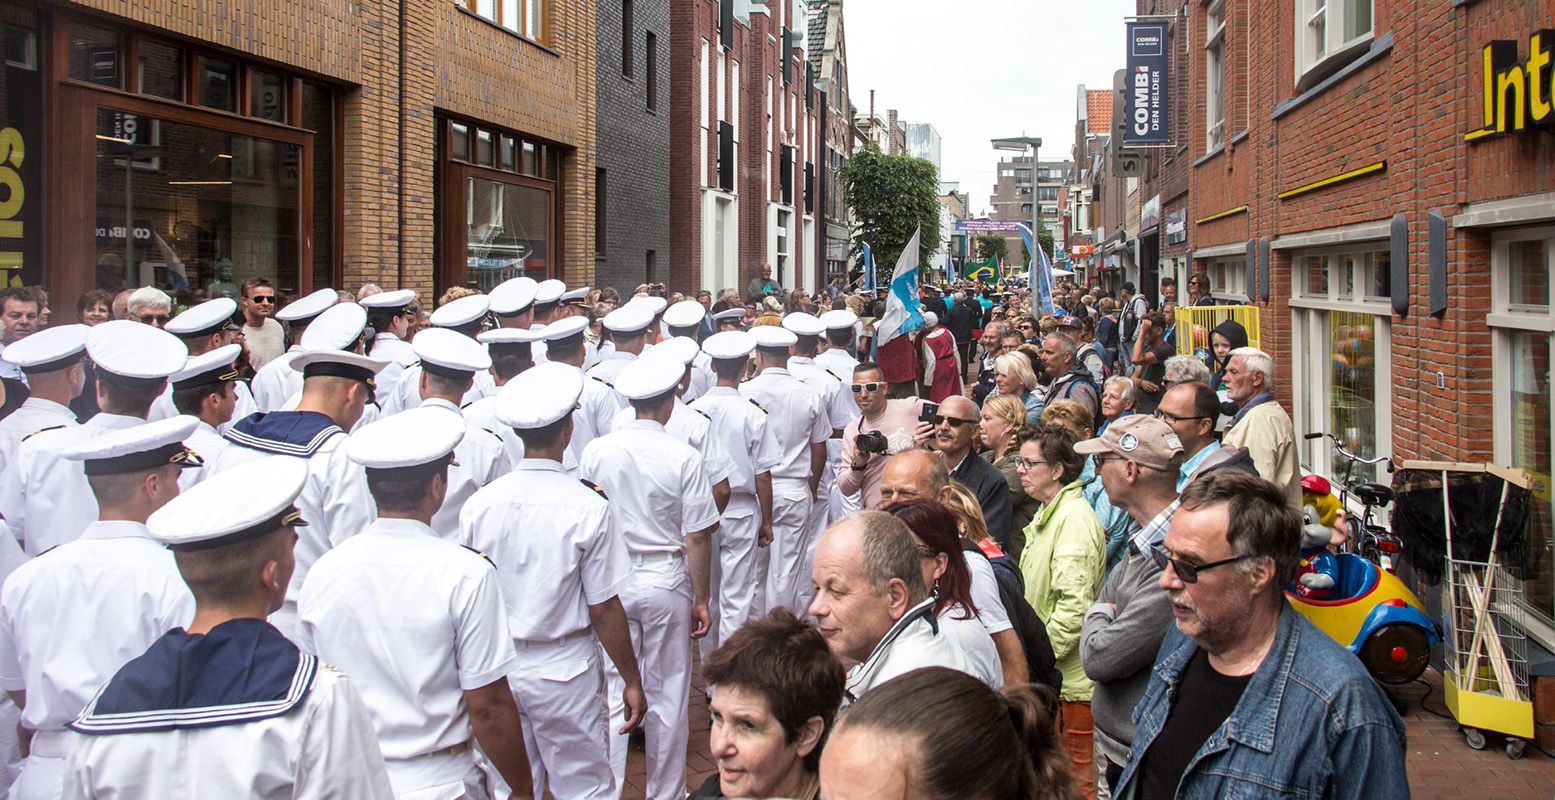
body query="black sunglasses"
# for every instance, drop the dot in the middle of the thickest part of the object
(1188, 573)
(955, 422)
(261, 299)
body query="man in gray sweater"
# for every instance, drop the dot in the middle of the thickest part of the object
(1137, 459)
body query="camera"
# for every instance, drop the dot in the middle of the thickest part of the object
(928, 413)
(871, 442)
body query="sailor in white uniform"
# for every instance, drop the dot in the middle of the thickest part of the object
(513, 302)
(799, 421)
(203, 390)
(662, 509)
(628, 327)
(335, 388)
(730, 319)
(342, 327)
(743, 537)
(512, 353)
(562, 570)
(44, 498)
(449, 363)
(53, 360)
(208, 326)
(390, 315)
(417, 621)
(840, 410)
(574, 303)
(841, 326)
(275, 382)
(685, 319)
(228, 707)
(70, 618)
(600, 403)
(466, 316)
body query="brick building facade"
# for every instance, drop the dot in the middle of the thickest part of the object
(829, 66)
(633, 218)
(412, 143)
(1389, 207)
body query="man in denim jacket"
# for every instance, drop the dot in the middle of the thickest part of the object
(1247, 698)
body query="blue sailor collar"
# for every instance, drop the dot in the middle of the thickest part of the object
(286, 433)
(242, 671)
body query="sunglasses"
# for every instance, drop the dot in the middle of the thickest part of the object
(261, 299)
(871, 387)
(954, 422)
(154, 319)
(1186, 572)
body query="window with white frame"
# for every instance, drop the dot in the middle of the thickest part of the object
(1227, 279)
(523, 17)
(1523, 321)
(1214, 75)
(1341, 354)
(1329, 33)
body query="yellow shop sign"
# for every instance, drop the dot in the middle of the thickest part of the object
(1515, 94)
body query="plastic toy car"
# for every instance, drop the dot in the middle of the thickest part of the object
(1376, 616)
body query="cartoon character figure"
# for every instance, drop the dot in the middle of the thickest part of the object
(1318, 571)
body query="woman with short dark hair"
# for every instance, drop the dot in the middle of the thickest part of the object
(774, 691)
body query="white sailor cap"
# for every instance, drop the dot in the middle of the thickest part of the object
(502, 336)
(418, 439)
(204, 319)
(339, 328)
(308, 307)
(729, 345)
(132, 350)
(540, 396)
(576, 296)
(208, 369)
(461, 312)
(839, 319)
(143, 447)
(685, 314)
(49, 349)
(727, 314)
(549, 291)
(205, 516)
(336, 363)
(649, 376)
(683, 348)
(397, 299)
(803, 324)
(449, 354)
(564, 329)
(513, 296)
(771, 336)
(654, 305)
(629, 319)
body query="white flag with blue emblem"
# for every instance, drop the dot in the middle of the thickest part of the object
(902, 314)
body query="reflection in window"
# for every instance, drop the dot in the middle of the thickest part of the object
(94, 56)
(267, 96)
(1353, 381)
(1529, 281)
(218, 84)
(508, 232)
(161, 69)
(1530, 426)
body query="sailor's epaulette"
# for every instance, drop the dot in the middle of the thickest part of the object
(493, 433)
(41, 430)
(758, 405)
(595, 487)
(833, 374)
(485, 557)
(703, 413)
(602, 380)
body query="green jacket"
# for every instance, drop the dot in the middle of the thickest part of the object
(1065, 555)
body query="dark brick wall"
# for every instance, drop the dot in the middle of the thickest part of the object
(634, 145)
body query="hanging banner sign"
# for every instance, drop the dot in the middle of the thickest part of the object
(1144, 91)
(986, 225)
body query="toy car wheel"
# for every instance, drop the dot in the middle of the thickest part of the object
(1475, 738)
(1514, 748)
(1396, 653)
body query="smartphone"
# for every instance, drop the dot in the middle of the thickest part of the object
(930, 410)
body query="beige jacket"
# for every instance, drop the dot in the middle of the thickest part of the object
(1270, 439)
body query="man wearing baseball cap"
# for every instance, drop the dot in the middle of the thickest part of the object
(1137, 459)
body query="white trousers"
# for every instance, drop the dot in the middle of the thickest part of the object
(740, 582)
(43, 771)
(450, 776)
(10, 750)
(786, 567)
(560, 689)
(820, 518)
(658, 613)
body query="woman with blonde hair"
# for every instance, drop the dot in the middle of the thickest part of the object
(1013, 376)
(1004, 418)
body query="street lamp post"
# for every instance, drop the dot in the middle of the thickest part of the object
(1019, 144)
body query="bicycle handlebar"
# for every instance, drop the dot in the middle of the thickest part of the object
(1339, 448)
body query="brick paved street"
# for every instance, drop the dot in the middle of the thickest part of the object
(1441, 766)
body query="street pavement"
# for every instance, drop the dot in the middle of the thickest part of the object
(1441, 765)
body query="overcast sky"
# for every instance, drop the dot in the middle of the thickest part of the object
(979, 69)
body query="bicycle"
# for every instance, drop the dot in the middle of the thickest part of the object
(1368, 538)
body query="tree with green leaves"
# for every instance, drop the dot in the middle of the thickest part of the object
(992, 245)
(900, 192)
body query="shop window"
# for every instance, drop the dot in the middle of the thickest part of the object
(267, 96)
(160, 69)
(218, 84)
(96, 55)
(1523, 351)
(502, 224)
(508, 232)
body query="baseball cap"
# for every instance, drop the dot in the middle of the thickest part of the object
(1139, 438)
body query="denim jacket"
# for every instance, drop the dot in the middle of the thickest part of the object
(1311, 724)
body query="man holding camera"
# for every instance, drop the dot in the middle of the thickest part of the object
(886, 428)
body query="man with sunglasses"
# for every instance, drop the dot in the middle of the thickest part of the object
(1247, 698)
(886, 427)
(1136, 460)
(955, 436)
(265, 338)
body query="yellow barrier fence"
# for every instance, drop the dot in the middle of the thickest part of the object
(1195, 323)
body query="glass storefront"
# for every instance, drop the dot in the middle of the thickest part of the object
(507, 231)
(505, 185)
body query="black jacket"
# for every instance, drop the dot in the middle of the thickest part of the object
(963, 318)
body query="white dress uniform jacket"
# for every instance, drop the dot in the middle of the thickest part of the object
(44, 498)
(275, 382)
(415, 621)
(69, 619)
(208, 444)
(549, 533)
(595, 417)
(401, 356)
(842, 365)
(702, 377)
(660, 494)
(34, 414)
(837, 399)
(483, 414)
(610, 365)
(163, 408)
(694, 428)
(479, 459)
(407, 394)
(799, 419)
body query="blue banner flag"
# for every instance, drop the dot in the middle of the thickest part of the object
(1039, 273)
(869, 268)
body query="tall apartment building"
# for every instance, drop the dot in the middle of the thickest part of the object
(923, 142)
(632, 179)
(415, 143)
(828, 63)
(744, 134)
(1013, 195)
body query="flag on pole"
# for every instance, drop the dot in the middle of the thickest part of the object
(869, 268)
(1039, 275)
(895, 351)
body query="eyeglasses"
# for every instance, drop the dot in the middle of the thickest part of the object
(871, 387)
(1026, 464)
(1186, 572)
(1173, 419)
(954, 422)
(263, 298)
